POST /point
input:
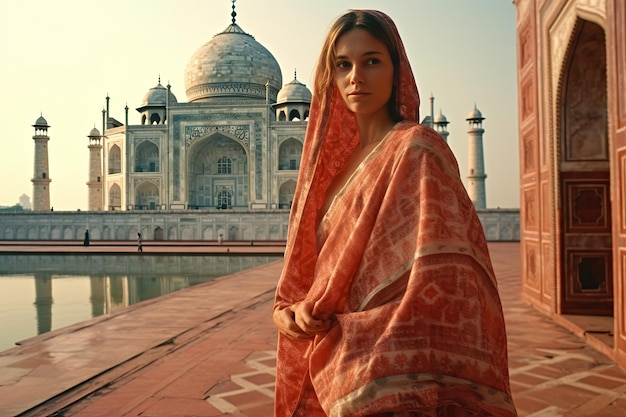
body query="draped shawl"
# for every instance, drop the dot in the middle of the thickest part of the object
(400, 264)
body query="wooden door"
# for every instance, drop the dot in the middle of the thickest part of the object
(586, 263)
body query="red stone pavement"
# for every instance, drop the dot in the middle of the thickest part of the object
(209, 351)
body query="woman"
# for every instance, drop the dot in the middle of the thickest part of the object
(387, 304)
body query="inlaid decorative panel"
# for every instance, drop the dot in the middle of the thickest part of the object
(527, 97)
(548, 273)
(588, 283)
(587, 206)
(590, 278)
(532, 261)
(530, 208)
(547, 205)
(529, 152)
(525, 44)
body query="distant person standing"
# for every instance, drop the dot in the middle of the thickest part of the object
(86, 239)
(139, 245)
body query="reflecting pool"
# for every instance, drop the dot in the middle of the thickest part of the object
(40, 293)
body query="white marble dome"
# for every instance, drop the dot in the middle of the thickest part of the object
(156, 96)
(475, 114)
(94, 133)
(441, 119)
(232, 65)
(294, 92)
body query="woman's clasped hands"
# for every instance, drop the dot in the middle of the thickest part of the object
(297, 322)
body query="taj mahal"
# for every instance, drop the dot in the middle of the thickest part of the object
(235, 144)
(232, 149)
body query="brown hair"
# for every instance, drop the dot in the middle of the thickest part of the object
(374, 23)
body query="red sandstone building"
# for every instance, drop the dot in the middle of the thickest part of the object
(572, 121)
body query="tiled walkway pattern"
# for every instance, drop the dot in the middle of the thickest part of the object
(236, 394)
(226, 366)
(553, 372)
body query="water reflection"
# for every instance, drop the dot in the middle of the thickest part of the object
(43, 301)
(72, 288)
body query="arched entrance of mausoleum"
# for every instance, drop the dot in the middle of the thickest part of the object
(585, 278)
(217, 173)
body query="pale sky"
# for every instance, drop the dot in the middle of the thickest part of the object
(62, 58)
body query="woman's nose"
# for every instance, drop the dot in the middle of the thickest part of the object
(356, 77)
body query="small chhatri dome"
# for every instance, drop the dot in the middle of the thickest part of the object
(475, 114)
(294, 92)
(441, 119)
(41, 122)
(157, 96)
(94, 133)
(232, 65)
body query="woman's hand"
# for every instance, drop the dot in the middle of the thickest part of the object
(297, 322)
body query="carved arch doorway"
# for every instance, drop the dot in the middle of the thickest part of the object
(586, 277)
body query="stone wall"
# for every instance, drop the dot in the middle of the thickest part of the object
(499, 224)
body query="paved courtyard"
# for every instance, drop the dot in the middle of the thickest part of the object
(209, 351)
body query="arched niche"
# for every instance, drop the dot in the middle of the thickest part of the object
(217, 173)
(147, 157)
(289, 154)
(146, 196)
(115, 197)
(285, 194)
(115, 160)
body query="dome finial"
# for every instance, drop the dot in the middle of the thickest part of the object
(159, 78)
(295, 74)
(234, 13)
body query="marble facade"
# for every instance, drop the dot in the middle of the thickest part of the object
(245, 225)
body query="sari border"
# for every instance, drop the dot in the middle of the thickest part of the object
(430, 258)
(399, 273)
(421, 392)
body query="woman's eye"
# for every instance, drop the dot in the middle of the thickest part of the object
(342, 64)
(373, 61)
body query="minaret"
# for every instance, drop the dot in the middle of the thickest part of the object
(432, 110)
(441, 125)
(94, 185)
(41, 178)
(476, 176)
(429, 119)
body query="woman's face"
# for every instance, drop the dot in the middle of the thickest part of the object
(363, 72)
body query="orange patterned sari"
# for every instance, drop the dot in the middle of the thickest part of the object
(401, 265)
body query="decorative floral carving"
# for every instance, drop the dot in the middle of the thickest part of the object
(585, 111)
(241, 132)
(154, 180)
